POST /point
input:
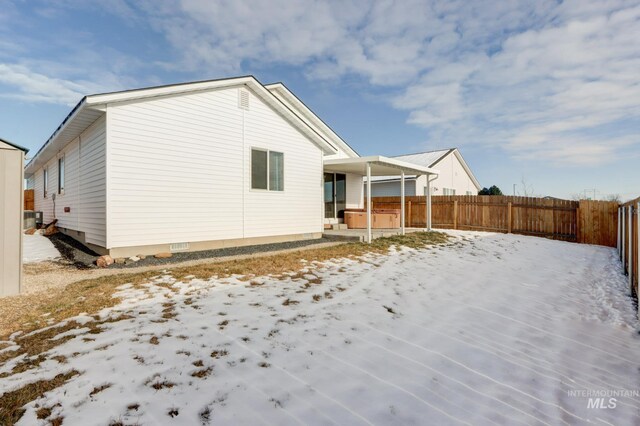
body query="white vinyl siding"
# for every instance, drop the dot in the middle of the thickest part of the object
(180, 170)
(93, 185)
(84, 186)
(355, 192)
(297, 209)
(392, 189)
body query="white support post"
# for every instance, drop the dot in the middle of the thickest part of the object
(618, 240)
(428, 203)
(402, 202)
(630, 251)
(369, 203)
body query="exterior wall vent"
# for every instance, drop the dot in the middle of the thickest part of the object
(243, 99)
(178, 247)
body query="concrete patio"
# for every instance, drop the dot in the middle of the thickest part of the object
(361, 234)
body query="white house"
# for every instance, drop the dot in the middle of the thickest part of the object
(197, 166)
(455, 177)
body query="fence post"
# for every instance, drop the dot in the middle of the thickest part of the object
(409, 213)
(509, 217)
(623, 236)
(455, 214)
(630, 251)
(638, 254)
(618, 246)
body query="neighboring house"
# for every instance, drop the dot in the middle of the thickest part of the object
(197, 166)
(455, 178)
(11, 216)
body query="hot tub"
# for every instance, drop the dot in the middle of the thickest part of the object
(380, 218)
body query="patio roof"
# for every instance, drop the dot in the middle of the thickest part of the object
(380, 166)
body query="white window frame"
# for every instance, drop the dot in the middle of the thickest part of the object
(268, 151)
(61, 176)
(45, 183)
(448, 191)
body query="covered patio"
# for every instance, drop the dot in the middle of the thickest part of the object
(382, 166)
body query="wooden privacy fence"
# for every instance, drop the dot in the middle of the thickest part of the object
(628, 235)
(590, 222)
(28, 199)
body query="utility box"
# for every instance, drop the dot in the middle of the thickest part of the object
(11, 206)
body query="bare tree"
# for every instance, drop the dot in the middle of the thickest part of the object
(527, 188)
(613, 197)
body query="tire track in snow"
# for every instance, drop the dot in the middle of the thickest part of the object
(470, 369)
(558, 376)
(549, 332)
(453, 379)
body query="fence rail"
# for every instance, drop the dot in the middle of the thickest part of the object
(628, 236)
(585, 221)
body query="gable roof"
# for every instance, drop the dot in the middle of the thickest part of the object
(16, 146)
(426, 159)
(311, 118)
(431, 159)
(92, 107)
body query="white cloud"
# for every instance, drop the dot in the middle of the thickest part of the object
(531, 77)
(34, 87)
(528, 76)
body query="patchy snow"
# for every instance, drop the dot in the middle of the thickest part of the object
(490, 329)
(38, 248)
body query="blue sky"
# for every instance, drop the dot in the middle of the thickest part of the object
(542, 91)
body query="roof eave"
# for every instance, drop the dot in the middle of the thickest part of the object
(312, 116)
(15, 145)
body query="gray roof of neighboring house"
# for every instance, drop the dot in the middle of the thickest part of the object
(429, 159)
(426, 159)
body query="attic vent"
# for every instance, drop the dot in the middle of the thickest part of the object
(243, 99)
(178, 247)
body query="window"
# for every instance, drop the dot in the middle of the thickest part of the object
(267, 170)
(469, 193)
(61, 175)
(276, 171)
(45, 184)
(448, 191)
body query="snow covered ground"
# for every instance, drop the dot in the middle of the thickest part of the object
(491, 329)
(38, 248)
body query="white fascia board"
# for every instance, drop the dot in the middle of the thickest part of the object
(172, 89)
(307, 114)
(384, 161)
(31, 167)
(465, 166)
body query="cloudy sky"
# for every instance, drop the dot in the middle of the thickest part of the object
(545, 91)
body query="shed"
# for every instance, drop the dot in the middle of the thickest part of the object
(11, 216)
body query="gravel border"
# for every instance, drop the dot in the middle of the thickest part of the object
(84, 258)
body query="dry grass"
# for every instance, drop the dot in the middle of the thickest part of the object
(162, 385)
(26, 312)
(202, 373)
(34, 346)
(11, 403)
(99, 389)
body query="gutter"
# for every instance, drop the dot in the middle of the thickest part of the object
(59, 129)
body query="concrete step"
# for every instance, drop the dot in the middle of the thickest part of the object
(339, 226)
